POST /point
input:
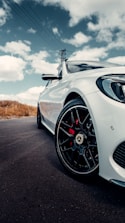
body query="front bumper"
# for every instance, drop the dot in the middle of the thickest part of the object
(109, 123)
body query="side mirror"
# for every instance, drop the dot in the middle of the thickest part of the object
(48, 77)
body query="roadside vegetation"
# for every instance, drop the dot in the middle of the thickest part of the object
(13, 109)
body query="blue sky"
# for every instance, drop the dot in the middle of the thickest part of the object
(32, 33)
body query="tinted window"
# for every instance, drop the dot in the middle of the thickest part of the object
(72, 68)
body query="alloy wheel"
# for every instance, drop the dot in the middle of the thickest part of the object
(76, 140)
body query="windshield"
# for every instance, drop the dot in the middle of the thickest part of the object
(72, 68)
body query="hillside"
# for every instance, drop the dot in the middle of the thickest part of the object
(10, 109)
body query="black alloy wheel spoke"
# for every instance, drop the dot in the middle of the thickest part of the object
(65, 132)
(91, 156)
(77, 140)
(65, 149)
(72, 117)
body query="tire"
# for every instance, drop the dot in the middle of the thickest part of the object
(39, 124)
(75, 140)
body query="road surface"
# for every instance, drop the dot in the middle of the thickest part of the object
(34, 188)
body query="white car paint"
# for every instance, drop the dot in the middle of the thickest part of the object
(108, 115)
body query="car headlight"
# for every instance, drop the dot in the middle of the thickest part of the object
(113, 86)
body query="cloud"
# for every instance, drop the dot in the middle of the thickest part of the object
(37, 62)
(118, 42)
(30, 96)
(117, 60)
(73, 7)
(31, 30)
(78, 39)
(88, 53)
(11, 68)
(85, 9)
(16, 48)
(4, 13)
(18, 1)
(8, 97)
(40, 65)
(55, 31)
(104, 17)
(8, 31)
(104, 35)
(111, 19)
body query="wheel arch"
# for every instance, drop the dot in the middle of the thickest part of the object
(73, 95)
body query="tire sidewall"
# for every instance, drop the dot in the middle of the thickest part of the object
(39, 124)
(69, 105)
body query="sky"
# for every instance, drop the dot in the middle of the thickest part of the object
(33, 33)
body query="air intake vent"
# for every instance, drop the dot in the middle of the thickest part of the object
(119, 155)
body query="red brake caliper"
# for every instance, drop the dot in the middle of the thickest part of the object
(72, 132)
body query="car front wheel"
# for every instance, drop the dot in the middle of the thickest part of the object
(75, 140)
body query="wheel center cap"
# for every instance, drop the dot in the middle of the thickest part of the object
(79, 138)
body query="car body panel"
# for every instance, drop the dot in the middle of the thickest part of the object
(108, 115)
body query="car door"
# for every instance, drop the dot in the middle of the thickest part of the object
(51, 101)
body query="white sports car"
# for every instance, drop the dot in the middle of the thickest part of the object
(84, 107)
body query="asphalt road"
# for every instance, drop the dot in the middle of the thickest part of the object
(34, 188)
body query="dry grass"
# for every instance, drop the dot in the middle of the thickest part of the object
(10, 109)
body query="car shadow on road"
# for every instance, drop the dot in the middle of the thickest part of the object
(100, 189)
